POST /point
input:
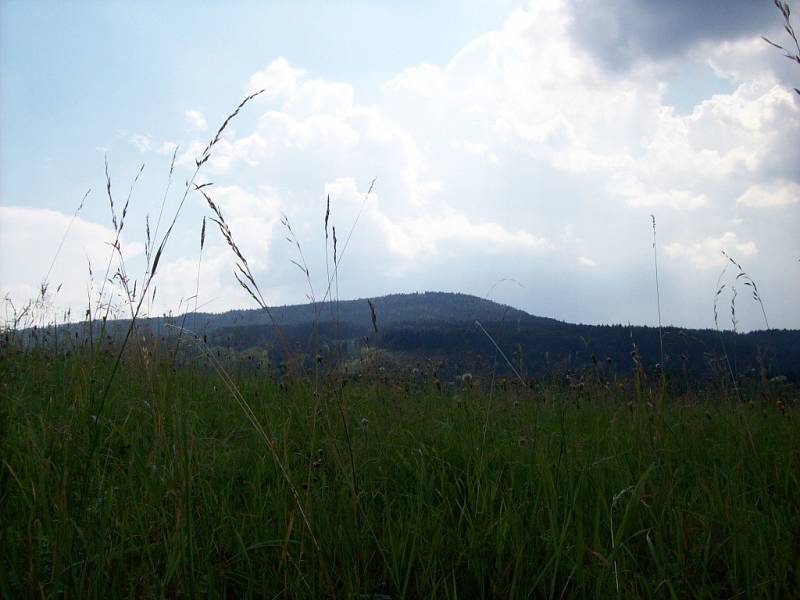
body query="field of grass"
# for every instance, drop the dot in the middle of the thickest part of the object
(130, 471)
(176, 484)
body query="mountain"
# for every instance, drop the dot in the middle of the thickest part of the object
(419, 308)
(442, 326)
(465, 332)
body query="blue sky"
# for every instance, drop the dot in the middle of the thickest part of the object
(509, 140)
(86, 74)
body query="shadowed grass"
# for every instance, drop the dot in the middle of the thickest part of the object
(556, 493)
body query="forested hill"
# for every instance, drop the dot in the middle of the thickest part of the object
(420, 308)
(442, 326)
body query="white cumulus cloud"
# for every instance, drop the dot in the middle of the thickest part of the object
(195, 120)
(770, 194)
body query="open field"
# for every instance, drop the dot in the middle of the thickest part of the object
(176, 484)
(440, 215)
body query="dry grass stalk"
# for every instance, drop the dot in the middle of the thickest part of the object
(658, 293)
(66, 232)
(748, 281)
(720, 288)
(242, 273)
(373, 315)
(164, 197)
(793, 55)
(152, 268)
(206, 154)
(301, 264)
(497, 347)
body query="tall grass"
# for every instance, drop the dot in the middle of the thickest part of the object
(126, 472)
(564, 491)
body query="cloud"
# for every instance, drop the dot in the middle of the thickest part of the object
(166, 148)
(476, 149)
(195, 121)
(525, 133)
(146, 143)
(422, 80)
(623, 32)
(749, 59)
(29, 240)
(428, 235)
(772, 194)
(637, 194)
(278, 79)
(143, 143)
(707, 253)
(526, 155)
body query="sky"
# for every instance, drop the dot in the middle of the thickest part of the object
(518, 151)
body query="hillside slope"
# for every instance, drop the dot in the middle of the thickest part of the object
(437, 325)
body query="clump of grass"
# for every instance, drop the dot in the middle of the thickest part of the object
(748, 281)
(100, 393)
(745, 278)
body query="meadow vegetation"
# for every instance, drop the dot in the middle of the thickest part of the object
(138, 466)
(386, 486)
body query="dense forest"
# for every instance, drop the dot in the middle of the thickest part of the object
(460, 332)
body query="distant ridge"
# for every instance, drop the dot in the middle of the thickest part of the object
(441, 325)
(422, 307)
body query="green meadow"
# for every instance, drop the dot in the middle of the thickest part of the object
(205, 479)
(134, 467)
